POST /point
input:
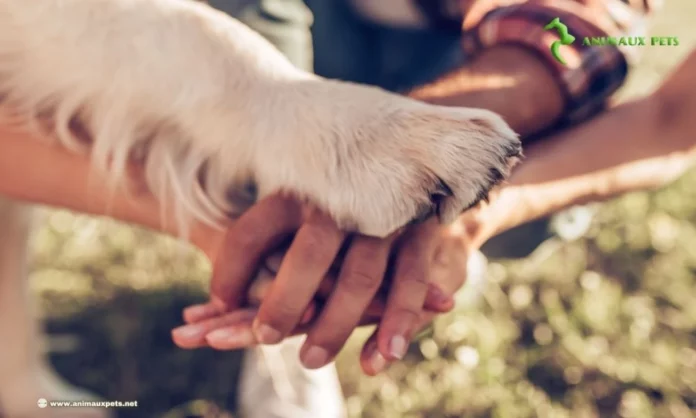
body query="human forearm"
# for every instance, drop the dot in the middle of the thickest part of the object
(538, 92)
(538, 200)
(632, 147)
(36, 172)
(659, 126)
(630, 133)
(508, 80)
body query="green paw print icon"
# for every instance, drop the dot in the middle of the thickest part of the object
(566, 38)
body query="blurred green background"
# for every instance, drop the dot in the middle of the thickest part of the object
(601, 327)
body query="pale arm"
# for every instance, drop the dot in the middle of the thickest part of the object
(34, 171)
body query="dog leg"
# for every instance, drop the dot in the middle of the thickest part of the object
(212, 109)
(24, 374)
(274, 384)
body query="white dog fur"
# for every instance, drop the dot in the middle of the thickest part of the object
(214, 109)
(220, 118)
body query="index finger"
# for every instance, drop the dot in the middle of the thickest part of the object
(409, 289)
(305, 265)
(246, 242)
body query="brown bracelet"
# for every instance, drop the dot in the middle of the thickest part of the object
(590, 75)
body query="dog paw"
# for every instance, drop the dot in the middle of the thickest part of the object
(236, 121)
(376, 161)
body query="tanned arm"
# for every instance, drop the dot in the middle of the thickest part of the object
(638, 145)
(614, 153)
(508, 80)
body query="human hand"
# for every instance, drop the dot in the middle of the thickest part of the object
(455, 254)
(447, 268)
(448, 271)
(309, 262)
(438, 252)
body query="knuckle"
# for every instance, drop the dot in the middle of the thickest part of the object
(332, 333)
(322, 226)
(369, 251)
(357, 281)
(244, 236)
(281, 316)
(330, 341)
(416, 278)
(319, 243)
(314, 242)
(403, 314)
(413, 253)
(413, 272)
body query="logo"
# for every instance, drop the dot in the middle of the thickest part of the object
(42, 403)
(565, 39)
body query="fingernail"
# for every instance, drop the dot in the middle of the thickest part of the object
(266, 334)
(437, 294)
(196, 311)
(228, 338)
(189, 331)
(397, 347)
(377, 362)
(315, 357)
